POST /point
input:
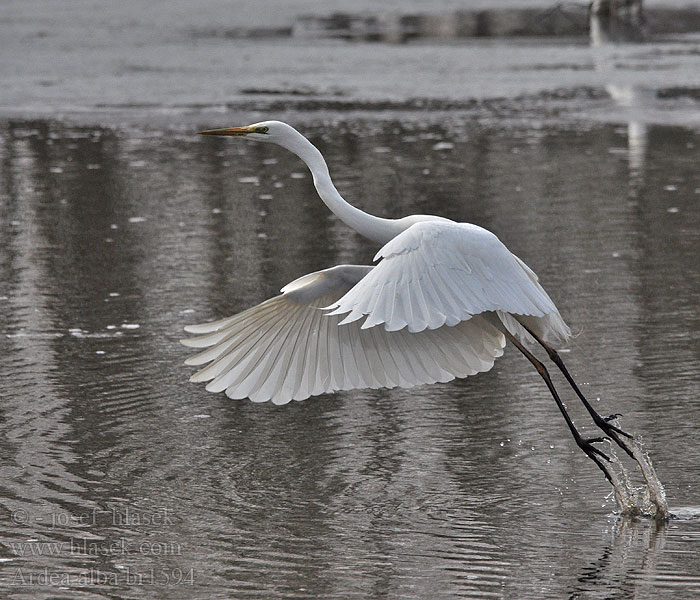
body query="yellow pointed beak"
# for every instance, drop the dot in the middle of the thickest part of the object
(227, 131)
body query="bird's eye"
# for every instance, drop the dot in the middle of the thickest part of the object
(261, 129)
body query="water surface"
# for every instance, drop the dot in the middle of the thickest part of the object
(118, 479)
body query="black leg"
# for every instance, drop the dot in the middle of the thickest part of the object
(602, 422)
(585, 444)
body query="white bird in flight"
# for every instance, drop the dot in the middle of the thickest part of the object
(440, 304)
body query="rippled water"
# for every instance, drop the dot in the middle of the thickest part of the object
(118, 479)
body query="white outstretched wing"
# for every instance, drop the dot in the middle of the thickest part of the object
(440, 273)
(289, 348)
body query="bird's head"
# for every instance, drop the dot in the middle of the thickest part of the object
(265, 131)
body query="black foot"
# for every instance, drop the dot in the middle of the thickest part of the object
(593, 453)
(609, 429)
(595, 440)
(590, 450)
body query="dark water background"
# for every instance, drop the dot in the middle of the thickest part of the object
(118, 479)
(118, 226)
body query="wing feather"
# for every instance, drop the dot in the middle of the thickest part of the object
(414, 318)
(288, 347)
(325, 374)
(438, 273)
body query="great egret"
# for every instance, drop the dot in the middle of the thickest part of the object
(440, 304)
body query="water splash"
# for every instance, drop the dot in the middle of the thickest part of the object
(648, 500)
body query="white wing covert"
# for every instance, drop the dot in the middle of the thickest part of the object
(289, 348)
(439, 273)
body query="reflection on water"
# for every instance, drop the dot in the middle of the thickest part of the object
(634, 561)
(115, 470)
(569, 20)
(607, 32)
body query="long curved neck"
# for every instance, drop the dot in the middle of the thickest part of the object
(375, 228)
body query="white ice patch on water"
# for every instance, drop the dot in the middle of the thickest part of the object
(686, 513)
(75, 332)
(23, 334)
